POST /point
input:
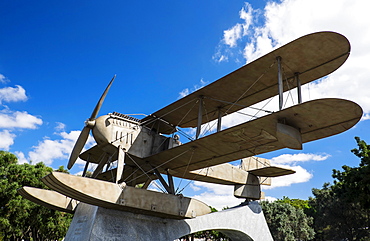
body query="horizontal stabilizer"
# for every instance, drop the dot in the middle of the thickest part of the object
(272, 171)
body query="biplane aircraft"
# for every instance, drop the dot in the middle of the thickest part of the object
(131, 151)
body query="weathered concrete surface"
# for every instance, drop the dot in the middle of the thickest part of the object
(245, 222)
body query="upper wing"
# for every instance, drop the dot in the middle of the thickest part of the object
(315, 119)
(312, 56)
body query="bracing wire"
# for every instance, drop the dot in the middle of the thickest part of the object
(164, 163)
(169, 112)
(132, 173)
(186, 169)
(289, 92)
(145, 173)
(268, 69)
(245, 106)
(190, 181)
(267, 102)
(195, 177)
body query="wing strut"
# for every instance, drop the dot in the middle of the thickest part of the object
(296, 77)
(120, 164)
(200, 114)
(281, 87)
(219, 119)
(169, 187)
(280, 83)
(86, 165)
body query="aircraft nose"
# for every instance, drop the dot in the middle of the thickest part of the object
(90, 123)
(101, 131)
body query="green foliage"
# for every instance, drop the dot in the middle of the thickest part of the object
(213, 235)
(354, 182)
(62, 169)
(341, 211)
(20, 218)
(287, 222)
(297, 203)
(336, 219)
(213, 210)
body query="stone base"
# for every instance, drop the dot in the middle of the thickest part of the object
(244, 222)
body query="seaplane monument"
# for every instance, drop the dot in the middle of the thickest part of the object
(113, 203)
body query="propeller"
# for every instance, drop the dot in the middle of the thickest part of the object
(89, 124)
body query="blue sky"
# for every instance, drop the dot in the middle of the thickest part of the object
(57, 57)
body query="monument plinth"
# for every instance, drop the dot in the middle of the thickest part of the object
(244, 222)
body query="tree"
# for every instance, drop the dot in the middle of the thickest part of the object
(297, 203)
(287, 222)
(335, 219)
(353, 187)
(20, 218)
(354, 182)
(341, 211)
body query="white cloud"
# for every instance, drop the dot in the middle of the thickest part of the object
(301, 176)
(49, 150)
(60, 126)
(222, 54)
(291, 161)
(10, 94)
(222, 58)
(233, 34)
(293, 18)
(3, 79)
(246, 13)
(7, 139)
(196, 87)
(10, 119)
(300, 157)
(21, 157)
(18, 119)
(195, 188)
(215, 195)
(184, 93)
(287, 20)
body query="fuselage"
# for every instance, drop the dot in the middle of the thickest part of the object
(126, 132)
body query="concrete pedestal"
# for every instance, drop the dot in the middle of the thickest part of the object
(244, 222)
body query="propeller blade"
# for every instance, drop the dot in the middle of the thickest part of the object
(101, 100)
(80, 143)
